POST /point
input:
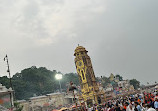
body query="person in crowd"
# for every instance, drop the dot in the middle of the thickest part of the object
(108, 107)
(149, 108)
(112, 108)
(156, 102)
(90, 108)
(117, 108)
(138, 102)
(151, 102)
(130, 107)
(137, 106)
(124, 106)
(143, 107)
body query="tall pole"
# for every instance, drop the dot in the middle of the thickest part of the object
(8, 70)
(60, 86)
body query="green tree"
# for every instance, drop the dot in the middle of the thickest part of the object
(105, 81)
(120, 77)
(34, 81)
(17, 106)
(38, 81)
(135, 83)
(5, 81)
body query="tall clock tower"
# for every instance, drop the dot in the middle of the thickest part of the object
(89, 88)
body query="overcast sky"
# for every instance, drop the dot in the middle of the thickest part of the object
(120, 35)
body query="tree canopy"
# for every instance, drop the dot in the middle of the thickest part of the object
(119, 77)
(135, 83)
(35, 81)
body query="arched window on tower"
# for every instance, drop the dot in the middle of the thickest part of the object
(82, 75)
(84, 60)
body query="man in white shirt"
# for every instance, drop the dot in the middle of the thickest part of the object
(149, 108)
(143, 107)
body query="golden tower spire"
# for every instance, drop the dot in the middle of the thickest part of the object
(89, 88)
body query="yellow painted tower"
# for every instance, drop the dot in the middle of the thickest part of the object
(89, 87)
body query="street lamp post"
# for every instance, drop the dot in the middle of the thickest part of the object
(59, 77)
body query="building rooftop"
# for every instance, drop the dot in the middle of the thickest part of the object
(51, 94)
(38, 97)
(19, 101)
(3, 89)
(80, 49)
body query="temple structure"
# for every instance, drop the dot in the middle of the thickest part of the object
(89, 87)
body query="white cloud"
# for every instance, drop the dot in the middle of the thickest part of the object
(45, 33)
(38, 20)
(45, 41)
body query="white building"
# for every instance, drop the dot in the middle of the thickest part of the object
(6, 97)
(45, 102)
(124, 83)
(109, 87)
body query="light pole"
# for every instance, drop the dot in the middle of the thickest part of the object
(8, 70)
(59, 77)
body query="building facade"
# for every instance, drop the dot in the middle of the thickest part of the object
(45, 102)
(6, 97)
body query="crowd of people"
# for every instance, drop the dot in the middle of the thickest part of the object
(137, 102)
